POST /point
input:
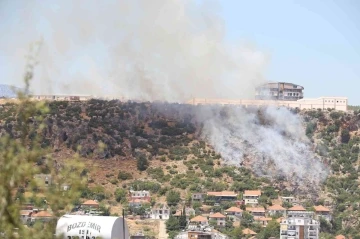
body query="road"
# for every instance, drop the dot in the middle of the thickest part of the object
(162, 230)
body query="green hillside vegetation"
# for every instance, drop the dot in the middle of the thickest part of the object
(161, 144)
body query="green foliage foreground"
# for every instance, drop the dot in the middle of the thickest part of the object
(23, 155)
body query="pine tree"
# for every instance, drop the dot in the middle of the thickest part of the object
(142, 162)
(182, 219)
(172, 224)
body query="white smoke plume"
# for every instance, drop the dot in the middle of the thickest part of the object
(138, 49)
(271, 141)
(169, 50)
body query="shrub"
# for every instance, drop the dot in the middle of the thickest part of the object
(124, 175)
(120, 195)
(173, 198)
(142, 162)
(335, 115)
(345, 136)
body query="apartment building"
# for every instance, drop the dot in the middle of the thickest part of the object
(279, 91)
(299, 225)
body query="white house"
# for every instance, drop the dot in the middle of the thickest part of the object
(256, 211)
(234, 212)
(251, 196)
(160, 211)
(198, 196)
(219, 218)
(198, 221)
(139, 194)
(276, 210)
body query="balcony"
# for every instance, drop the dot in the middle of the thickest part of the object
(291, 233)
(283, 233)
(291, 228)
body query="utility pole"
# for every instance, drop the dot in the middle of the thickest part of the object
(123, 214)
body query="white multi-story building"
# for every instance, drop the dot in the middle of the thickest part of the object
(279, 91)
(160, 211)
(299, 225)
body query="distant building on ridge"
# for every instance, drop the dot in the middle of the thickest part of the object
(279, 91)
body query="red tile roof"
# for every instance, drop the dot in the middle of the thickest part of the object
(90, 202)
(276, 207)
(252, 193)
(233, 209)
(340, 237)
(255, 209)
(263, 219)
(223, 194)
(42, 214)
(321, 208)
(198, 219)
(217, 215)
(25, 212)
(248, 231)
(297, 208)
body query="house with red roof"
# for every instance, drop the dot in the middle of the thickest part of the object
(276, 210)
(137, 203)
(263, 221)
(340, 237)
(25, 216)
(324, 212)
(90, 204)
(223, 195)
(143, 195)
(234, 212)
(297, 208)
(43, 216)
(198, 221)
(248, 231)
(219, 218)
(251, 196)
(256, 211)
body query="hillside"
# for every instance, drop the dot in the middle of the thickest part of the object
(164, 147)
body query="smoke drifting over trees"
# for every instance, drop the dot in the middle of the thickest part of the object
(272, 141)
(162, 49)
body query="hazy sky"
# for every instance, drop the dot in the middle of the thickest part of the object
(313, 43)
